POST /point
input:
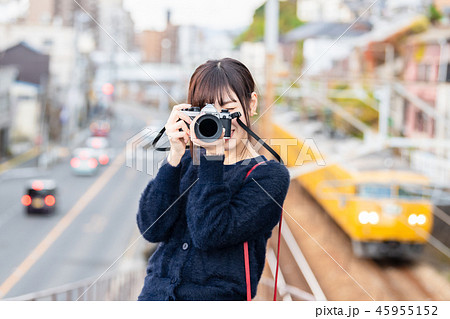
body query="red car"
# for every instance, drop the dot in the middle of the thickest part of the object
(100, 128)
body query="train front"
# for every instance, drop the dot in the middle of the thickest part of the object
(390, 216)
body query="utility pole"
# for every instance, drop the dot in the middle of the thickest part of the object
(385, 103)
(272, 10)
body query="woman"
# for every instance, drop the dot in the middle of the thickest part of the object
(202, 214)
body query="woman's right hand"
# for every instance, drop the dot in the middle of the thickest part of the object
(178, 139)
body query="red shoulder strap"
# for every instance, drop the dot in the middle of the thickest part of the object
(254, 166)
(246, 256)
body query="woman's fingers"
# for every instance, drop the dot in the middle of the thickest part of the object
(181, 124)
(176, 127)
(174, 136)
(174, 115)
(184, 116)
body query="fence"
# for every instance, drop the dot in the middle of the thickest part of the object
(114, 286)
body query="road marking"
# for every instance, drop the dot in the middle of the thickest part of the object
(43, 246)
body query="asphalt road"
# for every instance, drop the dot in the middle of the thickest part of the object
(99, 214)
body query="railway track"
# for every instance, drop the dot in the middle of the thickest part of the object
(317, 263)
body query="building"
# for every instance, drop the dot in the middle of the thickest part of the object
(324, 10)
(8, 76)
(57, 42)
(160, 46)
(427, 76)
(318, 37)
(28, 91)
(115, 23)
(32, 65)
(59, 12)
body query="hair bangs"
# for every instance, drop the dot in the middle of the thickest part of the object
(210, 86)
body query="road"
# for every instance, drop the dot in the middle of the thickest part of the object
(94, 223)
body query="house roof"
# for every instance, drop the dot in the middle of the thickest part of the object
(331, 30)
(389, 30)
(33, 66)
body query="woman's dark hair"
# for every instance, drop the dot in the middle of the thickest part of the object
(216, 79)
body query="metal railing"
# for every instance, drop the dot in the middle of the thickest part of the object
(121, 285)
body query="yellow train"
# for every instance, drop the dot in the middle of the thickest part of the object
(382, 210)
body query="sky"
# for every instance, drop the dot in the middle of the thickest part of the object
(151, 14)
(215, 14)
(10, 9)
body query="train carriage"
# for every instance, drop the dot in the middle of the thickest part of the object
(382, 210)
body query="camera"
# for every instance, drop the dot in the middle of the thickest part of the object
(210, 124)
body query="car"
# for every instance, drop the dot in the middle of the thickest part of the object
(40, 196)
(84, 162)
(100, 128)
(99, 145)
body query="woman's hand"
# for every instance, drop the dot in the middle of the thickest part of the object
(178, 133)
(213, 148)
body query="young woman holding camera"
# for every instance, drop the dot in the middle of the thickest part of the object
(203, 214)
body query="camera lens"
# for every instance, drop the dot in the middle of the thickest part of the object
(209, 128)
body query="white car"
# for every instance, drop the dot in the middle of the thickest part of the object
(99, 145)
(84, 162)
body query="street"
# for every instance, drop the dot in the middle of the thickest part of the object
(94, 239)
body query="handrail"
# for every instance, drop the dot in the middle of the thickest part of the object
(111, 286)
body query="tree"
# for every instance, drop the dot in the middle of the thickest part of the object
(288, 21)
(433, 14)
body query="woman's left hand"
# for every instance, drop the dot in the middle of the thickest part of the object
(213, 148)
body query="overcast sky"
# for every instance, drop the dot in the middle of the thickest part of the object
(216, 14)
(11, 9)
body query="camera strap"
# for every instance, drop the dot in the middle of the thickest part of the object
(157, 138)
(245, 127)
(247, 259)
(252, 134)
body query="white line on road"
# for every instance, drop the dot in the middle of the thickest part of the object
(62, 225)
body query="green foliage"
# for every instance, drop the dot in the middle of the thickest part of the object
(358, 108)
(298, 59)
(434, 14)
(255, 32)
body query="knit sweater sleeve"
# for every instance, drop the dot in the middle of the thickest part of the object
(218, 218)
(159, 204)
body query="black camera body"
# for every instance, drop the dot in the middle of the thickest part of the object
(210, 124)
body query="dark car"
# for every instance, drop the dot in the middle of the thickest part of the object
(40, 197)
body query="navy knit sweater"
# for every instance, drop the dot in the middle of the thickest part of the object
(201, 215)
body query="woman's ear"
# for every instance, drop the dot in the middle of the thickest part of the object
(253, 104)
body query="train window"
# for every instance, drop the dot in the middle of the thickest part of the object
(411, 191)
(374, 190)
